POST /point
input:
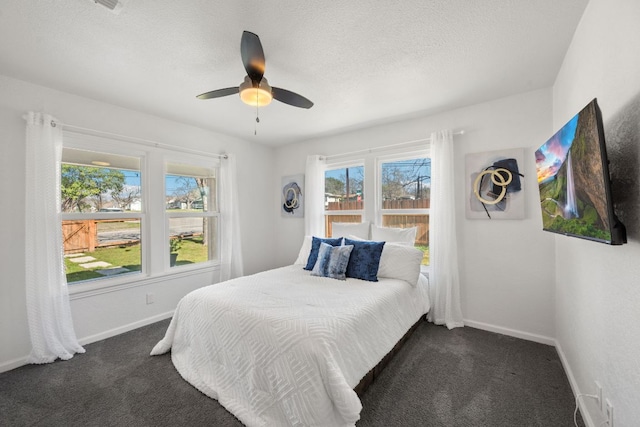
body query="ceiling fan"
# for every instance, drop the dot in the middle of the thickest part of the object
(255, 89)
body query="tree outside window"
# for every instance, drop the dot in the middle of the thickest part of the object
(101, 236)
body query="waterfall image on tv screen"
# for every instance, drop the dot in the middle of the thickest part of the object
(573, 179)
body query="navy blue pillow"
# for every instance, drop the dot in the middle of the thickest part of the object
(315, 247)
(364, 260)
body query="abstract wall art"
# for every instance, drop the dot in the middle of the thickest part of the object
(292, 199)
(494, 184)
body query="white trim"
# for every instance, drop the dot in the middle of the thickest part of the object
(13, 364)
(125, 328)
(131, 139)
(102, 144)
(511, 332)
(419, 143)
(21, 361)
(345, 212)
(194, 160)
(586, 416)
(85, 290)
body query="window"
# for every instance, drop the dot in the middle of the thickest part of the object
(102, 217)
(343, 195)
(126, 207)
(401, 187)
(405, 190)
(192, 214)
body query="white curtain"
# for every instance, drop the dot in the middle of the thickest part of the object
(314, 197)
(230, 246)
(444, 290)
(48, 308)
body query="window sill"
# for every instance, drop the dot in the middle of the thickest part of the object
(92, 288)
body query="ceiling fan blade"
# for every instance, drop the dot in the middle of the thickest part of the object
(252, 56)
(218, 93)
(290, 98)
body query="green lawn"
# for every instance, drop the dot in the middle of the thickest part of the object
(425, 251)
(192, 251)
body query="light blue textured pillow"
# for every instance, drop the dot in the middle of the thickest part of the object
(364, 260)
(315, 247)
(332, 261)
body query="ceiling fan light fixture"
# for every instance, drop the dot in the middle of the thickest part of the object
(255, 96)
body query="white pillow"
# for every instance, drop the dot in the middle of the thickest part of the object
(358, 229)
(404, 236)
(303, 255)
(400, 262)
(352, 237)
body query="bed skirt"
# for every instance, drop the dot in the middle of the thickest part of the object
(371, 376)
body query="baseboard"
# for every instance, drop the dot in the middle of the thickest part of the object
(586, 416)
(125, 328)
(13, 364)
(511, 332)
(21, 361)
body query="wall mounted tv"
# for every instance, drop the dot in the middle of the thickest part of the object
(574, 182)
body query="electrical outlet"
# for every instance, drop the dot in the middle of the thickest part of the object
(599, 395)
(151, 298)
(609, 413)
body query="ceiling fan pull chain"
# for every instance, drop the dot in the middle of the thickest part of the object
(255, 129)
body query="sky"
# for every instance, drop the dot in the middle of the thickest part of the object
(132, 178)
(422, 171)
(551, 156)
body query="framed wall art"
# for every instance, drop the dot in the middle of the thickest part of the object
(292, 198)
(494, 184)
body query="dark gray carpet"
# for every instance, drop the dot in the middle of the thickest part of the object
(464, 377)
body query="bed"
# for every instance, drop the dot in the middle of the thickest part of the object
(286, 347)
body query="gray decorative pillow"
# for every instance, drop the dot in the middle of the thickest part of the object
(332, 261)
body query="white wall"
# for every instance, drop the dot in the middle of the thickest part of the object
(507, 276)
(99, 316)
(598, 286)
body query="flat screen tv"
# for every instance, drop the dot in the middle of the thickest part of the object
(574, 182)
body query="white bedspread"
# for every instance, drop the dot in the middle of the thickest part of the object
(283, 347)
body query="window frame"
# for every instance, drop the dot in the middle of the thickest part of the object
(372, 210)
(154, 251)
(380, 211)
(187, 160)
(343, 165)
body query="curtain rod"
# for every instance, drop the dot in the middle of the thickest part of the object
(384, 147)
(94, 132)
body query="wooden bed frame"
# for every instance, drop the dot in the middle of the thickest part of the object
(370, 377)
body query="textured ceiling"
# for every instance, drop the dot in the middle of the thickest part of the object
(360, 62)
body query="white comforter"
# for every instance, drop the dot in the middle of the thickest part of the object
(283, 347)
